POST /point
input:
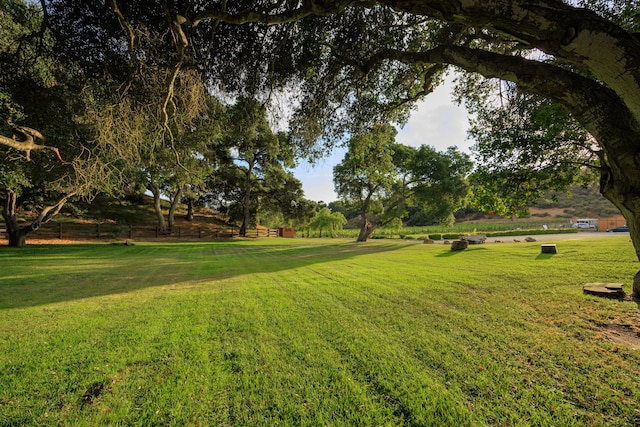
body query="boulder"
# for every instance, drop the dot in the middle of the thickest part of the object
(459, 245)
(475, 240)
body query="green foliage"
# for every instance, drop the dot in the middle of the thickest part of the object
(441, 187)
(532, 232)
(366, 172)
(451, 236)
(13, 179)
(623, 12)
(383, 179)
(253, 178)
(525, 147)
(327, 220)
(42, 91)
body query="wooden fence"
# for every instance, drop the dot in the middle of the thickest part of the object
(74, 231)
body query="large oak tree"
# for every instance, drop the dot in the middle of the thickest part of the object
(46, 154)
(382, 179)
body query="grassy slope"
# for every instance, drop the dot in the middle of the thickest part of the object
(140, 211)
(317, 332)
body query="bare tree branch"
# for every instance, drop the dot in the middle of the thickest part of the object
(27, 142)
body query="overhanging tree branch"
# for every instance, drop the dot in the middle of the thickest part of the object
(596, 106)
(306, 9)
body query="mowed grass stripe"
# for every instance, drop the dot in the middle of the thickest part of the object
(315, 333)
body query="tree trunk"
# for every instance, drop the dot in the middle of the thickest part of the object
(17, 238)
(17, 235)
(246, 213)
(172, 209)
(190, 215)
(619, 189)
(157, 206)
(246, 217)
(364, 224)
(366, 231)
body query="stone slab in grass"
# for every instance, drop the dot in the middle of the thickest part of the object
(549, 249)
(608, 290)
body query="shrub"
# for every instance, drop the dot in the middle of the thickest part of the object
(533, 232)
(435, 236)
(451, 236)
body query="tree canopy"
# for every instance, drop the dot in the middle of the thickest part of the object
(327, 220)
(525, 146)
(382, 179)
(368, 60)
(45, 141)
(255, 177)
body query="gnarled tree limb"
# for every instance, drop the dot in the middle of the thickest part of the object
(24, 139)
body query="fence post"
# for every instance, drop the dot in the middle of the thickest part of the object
(59, 230)
(130, 230)
(157, 231)
(97, 231)
(199, 233)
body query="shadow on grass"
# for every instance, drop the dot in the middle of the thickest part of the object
(544, 256)
(44, 274)
(452, 253)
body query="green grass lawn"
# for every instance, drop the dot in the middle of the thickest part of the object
(315, 332)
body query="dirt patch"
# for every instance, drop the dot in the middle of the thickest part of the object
(624, 332)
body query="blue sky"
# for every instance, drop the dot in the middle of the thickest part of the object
(437, 121)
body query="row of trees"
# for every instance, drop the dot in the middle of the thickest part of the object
(342, 66)
(132, 136)
(129, 136)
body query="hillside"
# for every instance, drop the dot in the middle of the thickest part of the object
(578, 203)
(135, 211)
(581, 202)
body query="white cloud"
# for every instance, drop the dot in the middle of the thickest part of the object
(437, 122)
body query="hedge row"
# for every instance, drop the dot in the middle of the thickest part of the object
(534, 232)
(453, 236)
